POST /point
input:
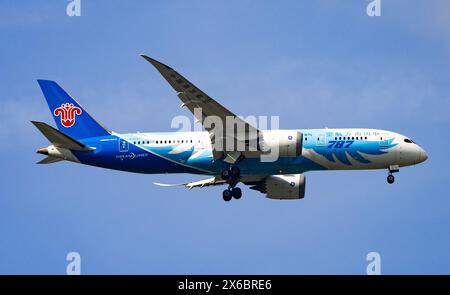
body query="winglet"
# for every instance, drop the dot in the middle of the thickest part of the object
(155, 63)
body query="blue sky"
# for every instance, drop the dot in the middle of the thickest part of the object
(314, 63)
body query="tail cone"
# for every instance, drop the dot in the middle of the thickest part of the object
(43, 151)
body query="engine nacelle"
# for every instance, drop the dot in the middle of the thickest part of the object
(288, 143)
(283, 187)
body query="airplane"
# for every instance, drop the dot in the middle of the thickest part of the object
(82, 139)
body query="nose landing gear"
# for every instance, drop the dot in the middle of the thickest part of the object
(232, 176)
(392, 169)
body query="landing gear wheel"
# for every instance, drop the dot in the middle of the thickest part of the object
(237, 193)
(227, 195)
(235, 172)
(390, 179)
(225, 174)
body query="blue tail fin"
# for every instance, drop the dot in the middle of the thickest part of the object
(69, 115)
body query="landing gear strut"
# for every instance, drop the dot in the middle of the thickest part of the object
(231, 176)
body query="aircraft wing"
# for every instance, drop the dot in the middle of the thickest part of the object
(202, 106)
(247, 180)
(200, 183)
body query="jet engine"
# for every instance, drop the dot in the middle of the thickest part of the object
(283, 187)
(288, 143)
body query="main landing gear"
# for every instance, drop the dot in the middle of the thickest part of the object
(231, 176)
(230, 193)
(392, 169)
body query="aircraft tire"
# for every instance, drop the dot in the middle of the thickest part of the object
(390, 179)
(227, 195)
(237, 193)
(225, 174)
(235, 172)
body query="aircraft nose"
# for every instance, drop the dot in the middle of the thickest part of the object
(422, 155)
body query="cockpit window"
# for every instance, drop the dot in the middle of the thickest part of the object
(408, 140)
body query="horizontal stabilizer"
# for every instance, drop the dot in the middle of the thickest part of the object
(49, 160)
(59, 139)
